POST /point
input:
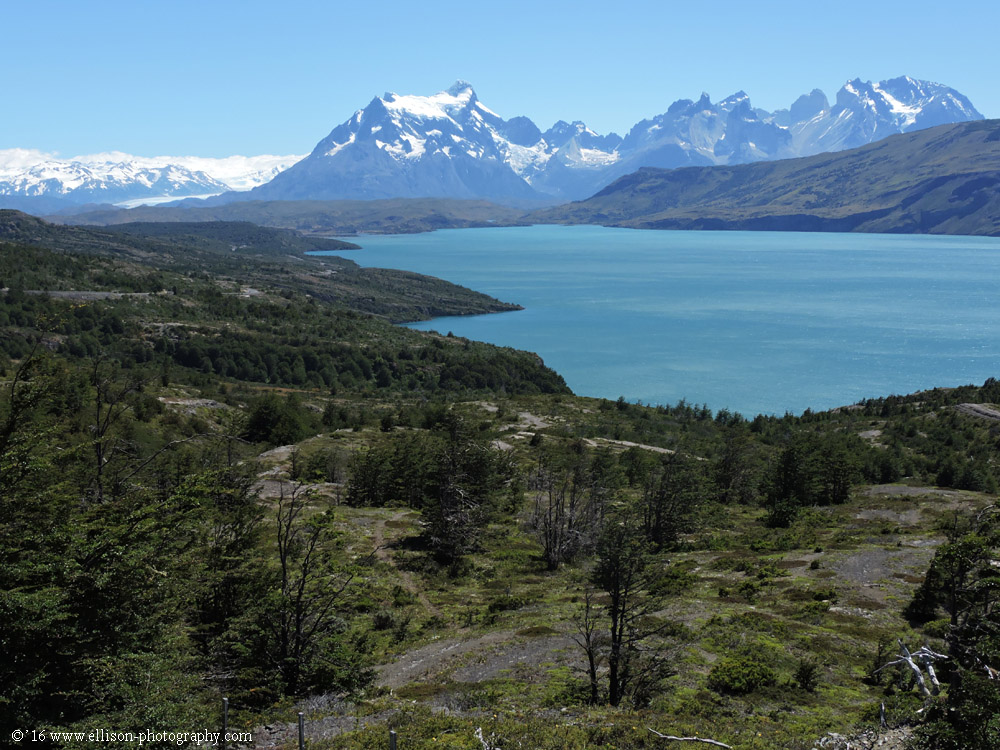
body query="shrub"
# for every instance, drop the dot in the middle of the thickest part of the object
(938, 628)
(401, 597)
(748, 589)
(674, 580)
(740, 676)
(807, 675)
(825, 594)
(506, 603)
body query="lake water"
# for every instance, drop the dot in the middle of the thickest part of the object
(750, 321)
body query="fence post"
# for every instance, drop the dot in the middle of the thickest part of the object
(302, 731)
(225, 722)
(392, 739)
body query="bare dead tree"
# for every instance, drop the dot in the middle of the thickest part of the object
(918, 661)
(562, 519)
(567, 514)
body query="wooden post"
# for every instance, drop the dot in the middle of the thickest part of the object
(302, 731)
(225, 721)
(392, 739)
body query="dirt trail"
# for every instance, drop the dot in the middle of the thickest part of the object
(382, 553)
(474, 660)
(433, 658)
(902, 490)
(979, 410)
(630, 444)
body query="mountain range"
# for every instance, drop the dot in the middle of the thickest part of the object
(941, 180)
(120, 178)
(450, 145)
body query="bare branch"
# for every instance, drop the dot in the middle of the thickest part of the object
(926, 658)
(689, 739)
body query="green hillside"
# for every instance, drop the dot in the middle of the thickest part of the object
(239, 253)
(168, 240)
(217, 481)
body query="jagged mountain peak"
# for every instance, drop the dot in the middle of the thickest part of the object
(734, 99)
(808, 106)
(449, 144)
(440, 106)
(904, 103)
(461, 88)
(563, 129)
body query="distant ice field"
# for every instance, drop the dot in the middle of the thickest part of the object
(756, 322)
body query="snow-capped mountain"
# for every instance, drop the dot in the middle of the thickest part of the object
(445, 145)
(451, 145)
(865, 112)
(733, 132)
(122, 178)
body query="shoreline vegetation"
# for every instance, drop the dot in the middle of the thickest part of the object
(249, 483)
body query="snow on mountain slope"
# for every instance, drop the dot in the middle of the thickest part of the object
(444, 145)
(15, 160)
(117, 177)
(865, 112)
(238, 172)
(449, 144)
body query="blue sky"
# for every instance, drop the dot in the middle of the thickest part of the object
(214, 78)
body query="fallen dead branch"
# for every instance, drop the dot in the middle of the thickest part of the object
(921, 659)
(689, 739)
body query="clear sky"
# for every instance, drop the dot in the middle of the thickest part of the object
(220, 77)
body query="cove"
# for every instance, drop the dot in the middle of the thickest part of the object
(755, 322)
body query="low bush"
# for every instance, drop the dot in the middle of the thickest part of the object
(740, 676)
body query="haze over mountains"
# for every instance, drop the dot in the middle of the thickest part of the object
(450, 145)
(117, 177)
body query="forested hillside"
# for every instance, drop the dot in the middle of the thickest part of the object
(220, 478)
(343, 217)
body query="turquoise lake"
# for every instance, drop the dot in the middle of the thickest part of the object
(750, 321)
